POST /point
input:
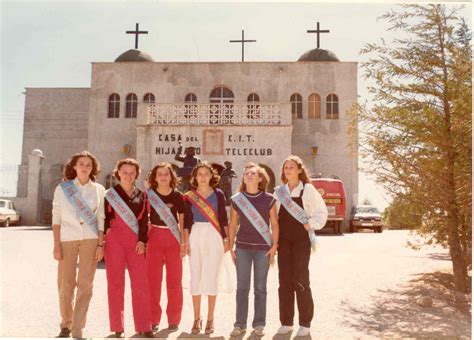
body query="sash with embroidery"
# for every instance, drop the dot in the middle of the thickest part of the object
(122, 209)
(165, 213)
(253, 216)
(205, 208)
(296, 211)
(75, 198)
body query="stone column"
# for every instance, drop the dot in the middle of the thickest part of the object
(35, 162)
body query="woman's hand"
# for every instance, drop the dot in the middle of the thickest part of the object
(226, 245)
(58, 252)
(307, 226)
(183, 251)
(271, 253)
(233, 255)
(140, 248)
(99, 253)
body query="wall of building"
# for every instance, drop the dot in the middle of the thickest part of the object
(274, 82)
(56, 122)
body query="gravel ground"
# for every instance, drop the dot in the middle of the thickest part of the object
(365, 285)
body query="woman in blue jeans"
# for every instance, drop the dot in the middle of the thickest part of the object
(255, 244)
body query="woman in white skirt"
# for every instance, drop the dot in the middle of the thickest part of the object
(206, 216)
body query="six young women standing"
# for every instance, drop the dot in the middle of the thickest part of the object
(165, 218)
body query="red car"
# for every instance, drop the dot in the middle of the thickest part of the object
(334, 195)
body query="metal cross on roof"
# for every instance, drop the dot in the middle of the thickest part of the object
(243, 41)
(317, 31)
(136, 32)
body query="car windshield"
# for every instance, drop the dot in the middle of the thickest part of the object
(2, 204)
(367, 210)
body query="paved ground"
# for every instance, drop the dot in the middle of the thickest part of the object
(365, 285)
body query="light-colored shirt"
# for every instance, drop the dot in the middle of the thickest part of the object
(313, 204)
(73, 227)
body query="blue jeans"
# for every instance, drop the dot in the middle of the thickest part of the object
(245, 257)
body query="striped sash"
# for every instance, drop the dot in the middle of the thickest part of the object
(205, 208)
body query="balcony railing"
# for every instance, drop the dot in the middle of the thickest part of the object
(214, 114)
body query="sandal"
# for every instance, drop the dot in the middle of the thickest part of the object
(209, 327)
(197, 326)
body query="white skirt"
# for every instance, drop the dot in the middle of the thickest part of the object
(210, 272)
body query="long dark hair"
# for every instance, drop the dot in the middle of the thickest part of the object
(71, 173)
(303, 176)
(152, 176)
(214, 176)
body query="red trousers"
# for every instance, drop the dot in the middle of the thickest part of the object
(120, 246)
(163, 249)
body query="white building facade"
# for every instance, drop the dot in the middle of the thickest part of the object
(230, 111)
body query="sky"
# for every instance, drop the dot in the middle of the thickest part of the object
(52, 44)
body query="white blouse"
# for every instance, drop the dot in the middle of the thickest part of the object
(313, 204)
(73, 226)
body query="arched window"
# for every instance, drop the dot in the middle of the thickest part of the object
(190, 110)
(131, 106)
(253, 107)
(149, 98)
(114, 106)
(296, 106)
(222, 112)
(110, 181)
(314, 106)
(332, 107)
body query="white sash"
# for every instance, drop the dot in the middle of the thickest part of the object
(75, 198)
(165, 213)
(122, 209)
(253, 216)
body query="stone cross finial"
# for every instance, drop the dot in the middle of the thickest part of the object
(243, 41)
(136, 32)
(317, 31)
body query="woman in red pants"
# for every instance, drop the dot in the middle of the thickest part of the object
(165, 244)
(126, 226)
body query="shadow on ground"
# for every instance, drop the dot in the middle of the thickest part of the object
(35, 228)
(396, 312)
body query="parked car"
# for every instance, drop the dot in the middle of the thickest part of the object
(334, 195)
(8, 215)
(366, 217)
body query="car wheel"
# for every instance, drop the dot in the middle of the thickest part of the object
(6, 223)
(380, 229)
(353, 229)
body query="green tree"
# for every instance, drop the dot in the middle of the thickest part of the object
(401, 214)
(417, 135)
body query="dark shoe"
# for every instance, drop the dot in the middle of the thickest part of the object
(197, 326)
(118, 335)
(148, 334)
(209, 327)
(65, 333)
(173, 328)
(155, 328)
